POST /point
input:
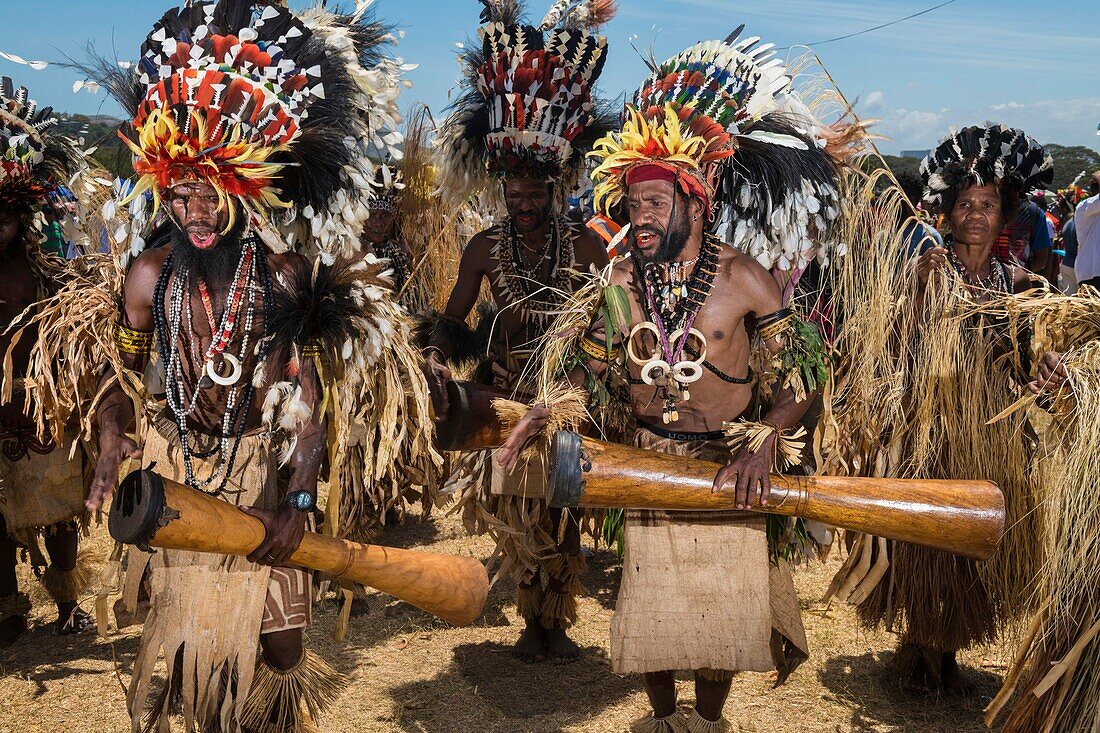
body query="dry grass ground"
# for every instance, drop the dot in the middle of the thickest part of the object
(411, 674)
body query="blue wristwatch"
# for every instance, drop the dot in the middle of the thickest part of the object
(303, 501)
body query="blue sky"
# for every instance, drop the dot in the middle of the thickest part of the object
(1034, 65)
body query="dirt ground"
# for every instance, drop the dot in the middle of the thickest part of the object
(412, 674)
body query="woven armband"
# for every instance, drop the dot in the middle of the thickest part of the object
(775, 325)
(133, 342)
(598, 351)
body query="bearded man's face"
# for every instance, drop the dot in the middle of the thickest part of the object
(199, 213)
(201, 246)
(660, 219)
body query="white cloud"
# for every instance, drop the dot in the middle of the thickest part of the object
(912, 129)
(874, 101)
(1063, 121)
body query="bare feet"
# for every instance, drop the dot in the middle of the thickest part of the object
(531, 646)
(72, 619)
(919, 668)
(559, 647)
(11, 629)
(953, 680)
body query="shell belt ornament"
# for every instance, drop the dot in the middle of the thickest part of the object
(537, 303)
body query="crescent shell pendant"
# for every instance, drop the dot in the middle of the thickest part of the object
(234, 375)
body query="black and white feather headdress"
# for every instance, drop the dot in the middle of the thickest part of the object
(721, 118)
(282, 111)
(528, 107)
(34, 157)
(982, 155)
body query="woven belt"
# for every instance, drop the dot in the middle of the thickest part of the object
(683, 436)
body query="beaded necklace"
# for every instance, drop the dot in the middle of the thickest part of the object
(536, 302)
(671, 280)
(672, 320)
(997, 280)
(252, 268)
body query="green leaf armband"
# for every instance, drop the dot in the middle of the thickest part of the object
(802, 364)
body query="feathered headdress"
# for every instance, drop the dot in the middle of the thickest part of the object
(528, 110)
(274, 109)
(389, 185)
(34, 158)
(720, 121)
(982, 155)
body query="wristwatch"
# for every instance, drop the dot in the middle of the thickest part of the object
(303, 501)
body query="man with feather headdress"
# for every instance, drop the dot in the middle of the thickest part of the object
(521, 133)
(41, 480)
(250, 133)
(715, 149)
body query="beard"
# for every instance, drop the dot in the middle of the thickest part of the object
(672, 240)
(215, 266)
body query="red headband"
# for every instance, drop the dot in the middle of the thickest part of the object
(689, 183)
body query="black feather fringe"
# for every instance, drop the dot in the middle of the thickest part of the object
(461, 343)
(774, 169)
(985, 154)
(321, 308)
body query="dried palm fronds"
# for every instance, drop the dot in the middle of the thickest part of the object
(73, 348)
(594, 303)
(567, 407)
(291, 700)
(1054, 681)
(751, 436)
(380, 415)
(910, 395)
(433, 231)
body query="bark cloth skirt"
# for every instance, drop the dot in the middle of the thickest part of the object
(698, 591)
(211, 609)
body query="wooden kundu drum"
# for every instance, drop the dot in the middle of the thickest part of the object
(471, 422)
(152, 511)
(961, 517)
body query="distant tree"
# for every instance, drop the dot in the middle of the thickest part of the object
(101, 133)
(1069, 162)
(898, 164)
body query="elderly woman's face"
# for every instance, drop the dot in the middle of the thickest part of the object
(978, 217)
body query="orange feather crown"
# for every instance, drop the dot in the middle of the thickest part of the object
(220, 101)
